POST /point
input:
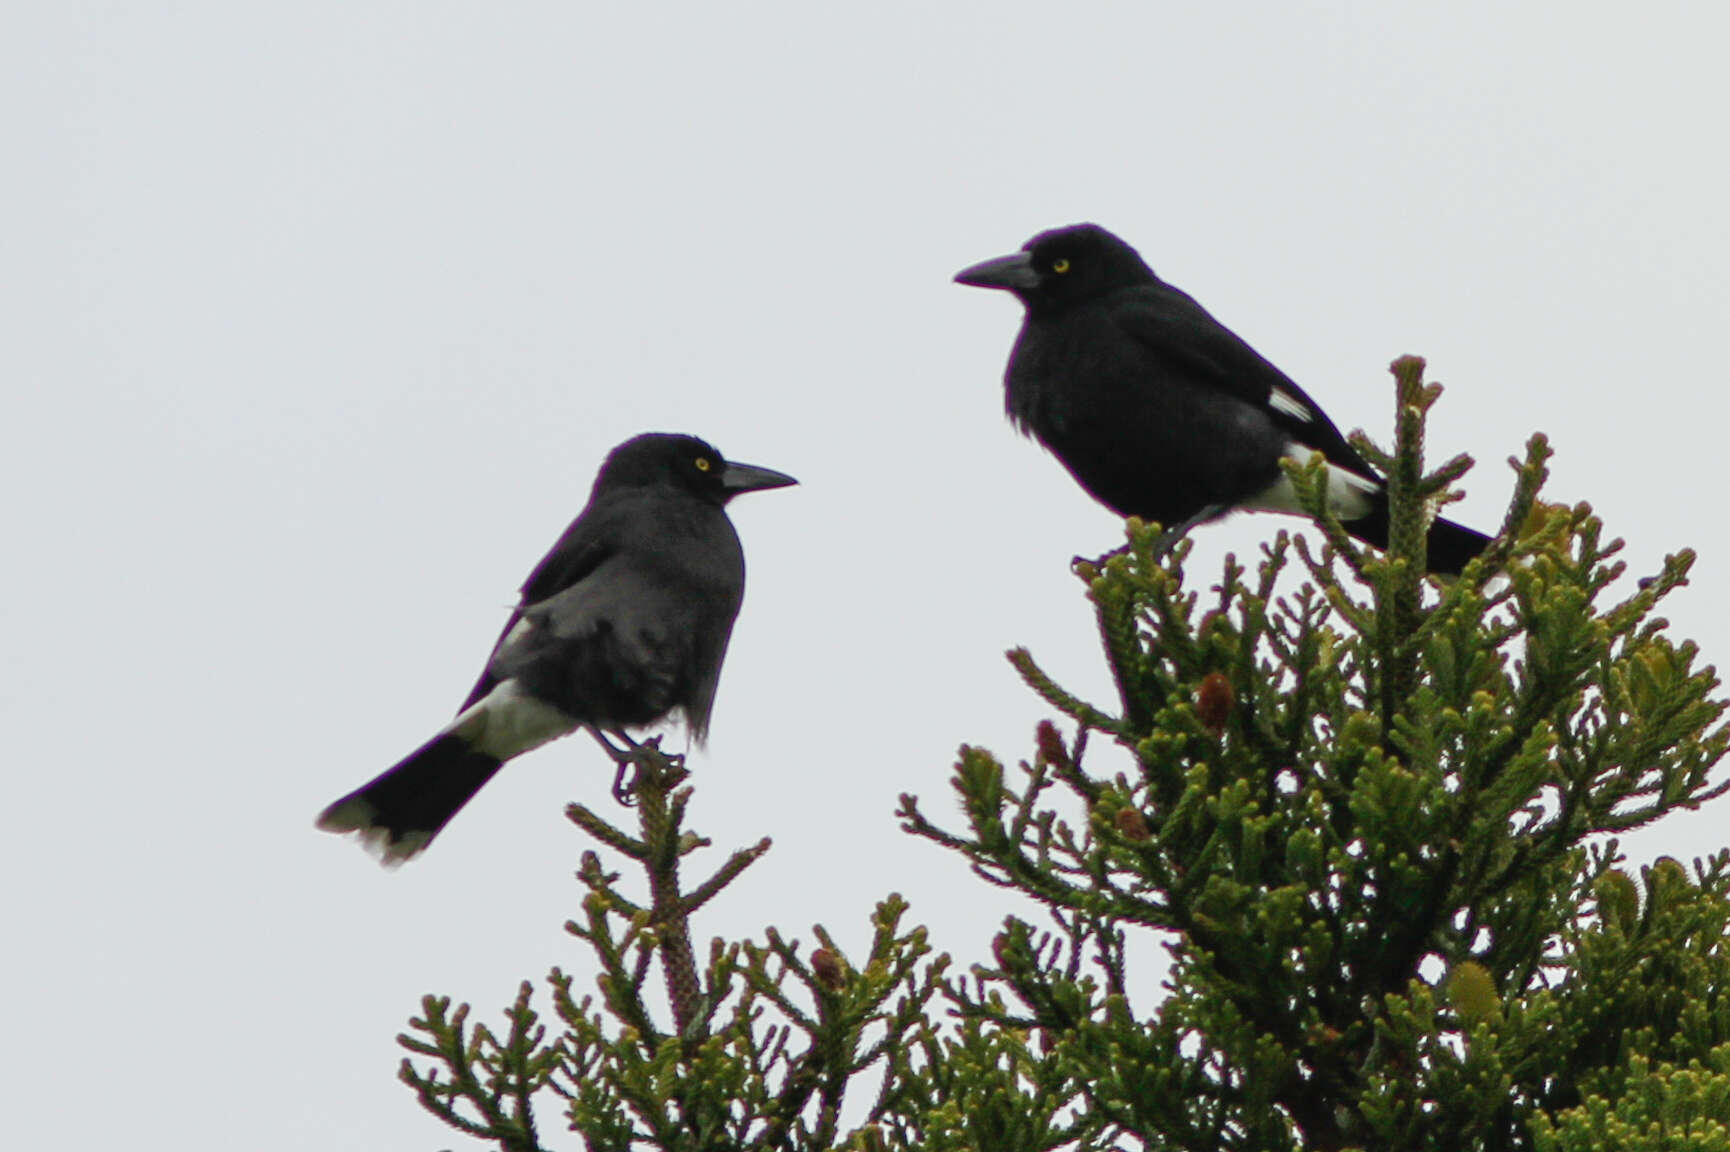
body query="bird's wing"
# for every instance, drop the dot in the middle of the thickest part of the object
(590, 540)
(622, 622)
(654, 617)
(618, 647)
(582, 548)
(1174, 328)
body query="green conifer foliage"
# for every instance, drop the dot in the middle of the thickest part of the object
(1660, 1109)
(1336, 869)
(759, 1047)
(1371, 818)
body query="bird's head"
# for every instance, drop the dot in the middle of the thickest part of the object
(1062, 267)
(663, 459)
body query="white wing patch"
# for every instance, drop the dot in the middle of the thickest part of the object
(517, 632)
(1282, 401)
(1348, 493)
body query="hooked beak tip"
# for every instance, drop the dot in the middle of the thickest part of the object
(1012, 273)
(739, 478)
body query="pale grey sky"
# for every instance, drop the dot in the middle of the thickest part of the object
(317, 318)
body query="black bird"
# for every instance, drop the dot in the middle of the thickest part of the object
(1162, 412)
(624, 622)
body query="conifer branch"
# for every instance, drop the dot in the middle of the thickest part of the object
(1338, 788)
(765, 1044)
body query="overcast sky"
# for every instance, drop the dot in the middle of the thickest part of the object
(316, 319)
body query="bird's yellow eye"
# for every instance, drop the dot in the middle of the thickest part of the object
(703, 464)
(1060, 265)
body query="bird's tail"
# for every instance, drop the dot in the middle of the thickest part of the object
(399, 813)
(1451, 545)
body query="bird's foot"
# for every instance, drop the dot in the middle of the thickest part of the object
(1162, 548)
(1169, 538)
(635, 761)
(1167, 541)
(1087, 568)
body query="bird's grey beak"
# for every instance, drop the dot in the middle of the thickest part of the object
(1013, 273)
(749, 478)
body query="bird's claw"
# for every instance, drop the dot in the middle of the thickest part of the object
(1081, 564)
(645, 757)
(1167, 541)
(670, 759)
(1162, 548)
(625, 790)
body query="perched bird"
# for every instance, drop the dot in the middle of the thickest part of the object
(1162, 412)
(624, 622)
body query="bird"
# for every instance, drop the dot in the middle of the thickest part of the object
(1160, 411)
(622, 624)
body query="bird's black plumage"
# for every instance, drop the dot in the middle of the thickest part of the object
(1160, 411)
(622, 624)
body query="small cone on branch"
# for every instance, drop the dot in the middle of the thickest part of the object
(1214, 701)
(1132, 825)
(826, 966)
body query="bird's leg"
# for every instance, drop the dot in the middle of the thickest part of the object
(1167, 540)
(1169, 537)
(642, 757)
(623, 759)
